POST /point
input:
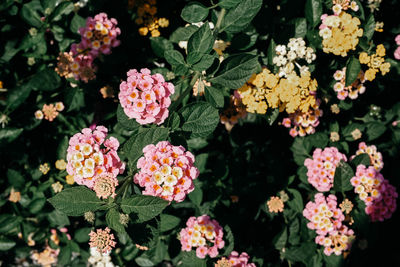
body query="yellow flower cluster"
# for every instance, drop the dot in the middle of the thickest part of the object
(375, 62)
(266, 89)
(146, 13)
(340, 33)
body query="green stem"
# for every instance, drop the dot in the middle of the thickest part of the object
(124, 186)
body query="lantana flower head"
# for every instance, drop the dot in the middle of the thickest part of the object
(240, 260)
(99, 35)
(321, 168)
(90, 155)
(340, 33)
(376, 192)
(353, 90)
(203, 234)
(339, 5)
(103, 240)
(166, 171)
(146, 97)
(105, 185)
(327, 220)
(47, 257)
(303, 123)
(376, 62)
(375, 156)
(275, 204)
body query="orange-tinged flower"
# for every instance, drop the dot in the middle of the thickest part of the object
(275, 205)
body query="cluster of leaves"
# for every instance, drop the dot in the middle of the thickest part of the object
(239, 170)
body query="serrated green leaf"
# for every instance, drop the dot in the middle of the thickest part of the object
(112, 219)
(75, 201)
(194, 12)
(196, 196)
(353, 68)
(313, 11)
(300, 28)
(236, 70)
(160, 45)
(231, 240)
(363, 159)
(8, 222)
(369, 28)
(201, 42)
(228, 3)
(125, 121)
(294, 228)
(64, 8)
(183, 33)
(199, 118)
(205, 62)
(82, 235)
(238, 18)
(134, 146)
(76, 23)
(280, 239)
(174, 58)
(214, 96)
(343, 174)
(168, 222)
(8, 135)
(146, 207)
(45, 80)
(296, 203)
(30, 15)
(375, 129)
(15, 178)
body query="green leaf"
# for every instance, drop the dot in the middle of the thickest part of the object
(280, 240)
(300, 27)
(189, 259)
(62, 148)
(144, 262)
(200, 43)
(76, 23)
(58, 219)
(300, 150)
(294, 228)
(75, 201)
(45, 80)
(8, 222)
(6, 244)
(82, 235)
(8, 135)
(146, 207)
(205, 62)
(15, 179)
(125, 121)
(302, 253)
(17, 96)
(174, 58)
(363, 159)
(112, 219)
(369, 28)
(173, 121)
(375, 129)
(134, 146)
(228, 3)
(36, 205)
(343, 174)
(74, 98)
(214, 96)
(64, 8)
(194, 12)
(353, 68)
(65, 256)
(313, 11)
(30, 15)
(238, 18)
(183, 33)
(296, 203)
(196, 196)
(231, 240)
(199, 118)
(236, 70)
(160, 45)
(168, 222)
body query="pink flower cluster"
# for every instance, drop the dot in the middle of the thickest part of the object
(203, 233)
(102, 240)
(327, 219)
(97, 37)
(374, 155)
(241, 260)
(376, 192)
(166, 171)
(351, 91)
(91, 155)
(146, 97)
(303, 123)
(397, 51)
(321, 168)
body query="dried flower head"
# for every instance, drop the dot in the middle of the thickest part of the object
(14, 196)
(89, 216)
(107, 92)
(346, 206)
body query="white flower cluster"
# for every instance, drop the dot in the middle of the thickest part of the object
(287, 56)
(99, 259)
